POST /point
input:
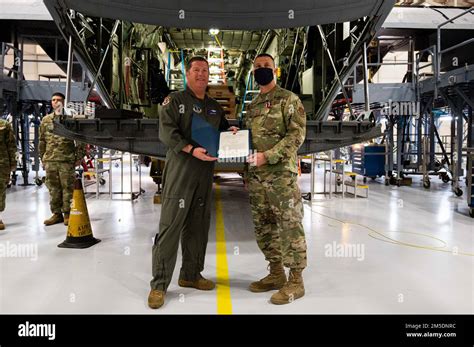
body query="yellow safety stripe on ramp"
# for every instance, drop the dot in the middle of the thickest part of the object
(224, 302)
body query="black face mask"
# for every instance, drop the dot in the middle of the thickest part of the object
(263, 75)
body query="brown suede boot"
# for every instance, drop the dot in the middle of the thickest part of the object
(292, 290)
(275, 280)
(2, 225)
(66, 219)
(54, 219)
(201, 284)
(156, 298)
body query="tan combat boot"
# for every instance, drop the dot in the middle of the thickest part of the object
(156, 299)
(2, 226)
(275, 280)
(66, 219)
(292, 290)
(54, 219)
(201, 284)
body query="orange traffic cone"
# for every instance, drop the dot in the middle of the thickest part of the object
(79, 231)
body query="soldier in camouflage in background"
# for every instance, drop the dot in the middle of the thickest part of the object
(7, 161)
(59, 156)
(277, 121)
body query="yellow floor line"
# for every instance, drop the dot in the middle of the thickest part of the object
(224, 302)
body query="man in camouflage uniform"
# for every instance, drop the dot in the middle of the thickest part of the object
(59, 156)
(7, 161)
(277, 120)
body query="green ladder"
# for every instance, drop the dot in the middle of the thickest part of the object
(175, 82)
(249, 94)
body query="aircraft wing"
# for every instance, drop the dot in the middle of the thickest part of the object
(242, 14)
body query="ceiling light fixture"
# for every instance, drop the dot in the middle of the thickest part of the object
(213, 31)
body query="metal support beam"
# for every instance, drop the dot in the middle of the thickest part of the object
(411, 63)
(390, 146)
(366, 78)
(456, 134)
(419, 131)
(432, 129)
(111, 40)
(419, 139)
(69, 72)
(464, 96)
(336, 73)
(319, 74)
(293, 53)
(459, 139)
(400, 134)
(453, 141)
(470, 128)
(298, 66)
(443, 150)
(439, 51)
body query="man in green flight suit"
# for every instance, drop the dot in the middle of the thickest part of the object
(277, 120)
(59, 156)
(7, 161)
(187, 185)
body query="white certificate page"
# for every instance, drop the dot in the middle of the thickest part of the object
(234, 145)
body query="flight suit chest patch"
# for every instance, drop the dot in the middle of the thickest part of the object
(211, 112)
(197, 109)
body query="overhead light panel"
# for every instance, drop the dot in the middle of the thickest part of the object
(213, 31)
